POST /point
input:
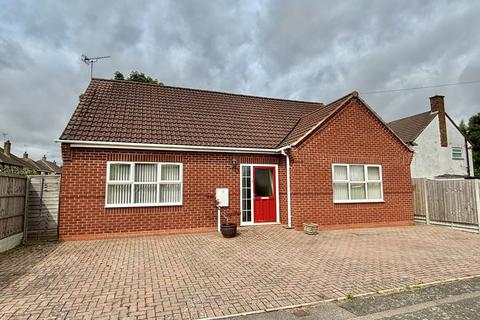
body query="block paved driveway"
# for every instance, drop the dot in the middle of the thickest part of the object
(204, 275)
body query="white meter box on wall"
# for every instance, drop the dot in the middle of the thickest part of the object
(221, 194)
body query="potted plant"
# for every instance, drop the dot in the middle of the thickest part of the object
(227, 228)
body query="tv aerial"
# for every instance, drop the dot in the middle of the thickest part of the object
(91, 61)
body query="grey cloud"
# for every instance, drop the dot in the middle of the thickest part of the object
(12, 55)
(312, 50)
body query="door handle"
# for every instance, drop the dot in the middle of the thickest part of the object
(264, 198)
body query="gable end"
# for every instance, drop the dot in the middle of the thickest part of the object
(331, 117)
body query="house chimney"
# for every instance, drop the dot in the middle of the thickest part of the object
(437, 105)
(44, 158)
(25, 155)
(6, 148)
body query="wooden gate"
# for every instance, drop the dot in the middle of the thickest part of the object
(42, 207)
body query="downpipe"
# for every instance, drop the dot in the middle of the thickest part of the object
(289, 207)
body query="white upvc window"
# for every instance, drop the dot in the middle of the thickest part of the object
(457, 153)
(357, 183)
(143, 184)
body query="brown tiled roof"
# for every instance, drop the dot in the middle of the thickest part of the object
(409, 128)
(11, 160)
(48, 166)
(30, 163)
(308, 122)
(132, 112)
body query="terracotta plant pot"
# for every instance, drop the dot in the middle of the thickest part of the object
(229, 230)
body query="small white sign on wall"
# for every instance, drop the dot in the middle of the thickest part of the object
(221, 194)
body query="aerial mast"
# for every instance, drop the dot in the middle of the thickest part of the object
(91, 61)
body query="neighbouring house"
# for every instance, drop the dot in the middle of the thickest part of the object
(10, 161)
(147, 159)
(7, 159)
(47, 166)
(441, 150)
(31, 164)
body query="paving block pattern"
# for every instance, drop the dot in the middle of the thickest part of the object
(204, 275)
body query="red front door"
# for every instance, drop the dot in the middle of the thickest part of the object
(264, 201)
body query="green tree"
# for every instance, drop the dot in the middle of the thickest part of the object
(473, 133)
(463, 127)
(18, 171)
(136, 76)
(118, 76)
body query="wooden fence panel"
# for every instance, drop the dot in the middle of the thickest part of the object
(436, 200)
(452, 201)
(460, 203)
(12, 205)
(446, 202)
(43, 202)
(419, 209)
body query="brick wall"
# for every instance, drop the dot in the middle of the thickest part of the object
(83, 213)
(354, 136)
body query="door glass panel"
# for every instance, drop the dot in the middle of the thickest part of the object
(246, 195)
(263, 182)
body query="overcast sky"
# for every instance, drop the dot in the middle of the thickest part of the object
(308, 50)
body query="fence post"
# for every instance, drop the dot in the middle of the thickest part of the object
(477, 201)
(25, 215)
(425, 193)
(41, 197)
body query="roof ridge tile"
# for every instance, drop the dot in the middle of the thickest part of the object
(208, 91)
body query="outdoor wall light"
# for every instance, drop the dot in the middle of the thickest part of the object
(233, 163)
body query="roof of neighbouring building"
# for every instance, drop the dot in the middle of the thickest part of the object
(133, 112)
(11, 159)
(31, 164)
(48, 166)
(409, 128)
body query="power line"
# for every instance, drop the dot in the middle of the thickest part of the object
(423, 87)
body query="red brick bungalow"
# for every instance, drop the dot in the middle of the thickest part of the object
(147, 159)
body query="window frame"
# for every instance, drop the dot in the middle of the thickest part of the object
(365, 182)
(457, 150)
(132, 184)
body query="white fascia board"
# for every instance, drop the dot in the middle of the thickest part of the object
(164, 147)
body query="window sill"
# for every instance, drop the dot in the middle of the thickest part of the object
(357, 201)
(143, 205)
(458, 159)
